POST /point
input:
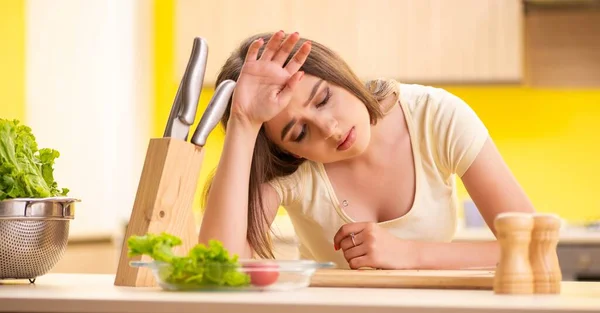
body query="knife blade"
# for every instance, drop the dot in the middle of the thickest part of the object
(185, 105)
(214, 111)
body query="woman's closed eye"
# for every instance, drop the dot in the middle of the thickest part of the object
(302, 133)
(326, 98)
(323, 102)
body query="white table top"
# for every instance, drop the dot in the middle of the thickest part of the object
(96, 293)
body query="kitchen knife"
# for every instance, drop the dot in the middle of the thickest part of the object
(183, 110)
(214, 111)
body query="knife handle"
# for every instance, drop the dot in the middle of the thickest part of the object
(214, 112)
(190, 87)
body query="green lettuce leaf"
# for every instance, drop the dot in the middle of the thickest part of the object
(158, 247)
(25, 171)
(203, 265)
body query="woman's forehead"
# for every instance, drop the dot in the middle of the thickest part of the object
(304, 93)
(276, 124)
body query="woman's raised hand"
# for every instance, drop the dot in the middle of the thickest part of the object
(264, 87)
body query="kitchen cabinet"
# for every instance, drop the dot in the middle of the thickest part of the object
(459, 41)
(562, 45)
(579, 261)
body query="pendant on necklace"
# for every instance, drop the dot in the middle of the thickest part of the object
(345, 203)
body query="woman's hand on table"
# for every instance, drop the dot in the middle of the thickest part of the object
(367, 244)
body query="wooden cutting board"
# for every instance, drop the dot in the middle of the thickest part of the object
(435, 279)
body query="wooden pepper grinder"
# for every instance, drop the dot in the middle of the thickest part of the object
(513, 274)
(545, 266)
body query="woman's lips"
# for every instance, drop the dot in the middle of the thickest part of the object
(348, 140)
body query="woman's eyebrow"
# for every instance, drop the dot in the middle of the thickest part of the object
(313, 92)
(286, 129)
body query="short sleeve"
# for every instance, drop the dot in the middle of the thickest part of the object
(289, 188)
(459, 132)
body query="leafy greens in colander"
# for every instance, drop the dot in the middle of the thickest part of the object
(203, 265)
(25, 171)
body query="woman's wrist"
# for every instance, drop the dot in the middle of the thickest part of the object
(408, 254)
(243, 123)
(242, 127)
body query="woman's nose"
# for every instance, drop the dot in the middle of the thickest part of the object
(327, 126)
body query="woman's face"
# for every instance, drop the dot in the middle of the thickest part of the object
(323, 123)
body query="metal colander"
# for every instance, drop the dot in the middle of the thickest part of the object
(34, 234)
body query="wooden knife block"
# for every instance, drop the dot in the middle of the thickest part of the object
(163, 203)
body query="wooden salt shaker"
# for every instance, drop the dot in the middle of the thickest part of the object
(545, 266)
(513, 274)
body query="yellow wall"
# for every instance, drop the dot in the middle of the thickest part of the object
(12, 59)
(547, 137)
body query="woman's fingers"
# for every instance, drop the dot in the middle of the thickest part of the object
(363, 261)
(286, 48)
(347, 242)
(346, 230)
(273, 46)
(286, 94)
(278, 50)
(355, 252)
(299, 58)
(253, 50)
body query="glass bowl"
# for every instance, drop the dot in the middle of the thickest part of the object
(245, 275)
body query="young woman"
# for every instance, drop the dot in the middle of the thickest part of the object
(366, 172)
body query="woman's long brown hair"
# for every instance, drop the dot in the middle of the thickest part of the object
(268, 160)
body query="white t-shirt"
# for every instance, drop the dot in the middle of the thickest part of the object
(446, 136)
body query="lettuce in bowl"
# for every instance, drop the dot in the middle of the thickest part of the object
(25, 170)
(204, 265)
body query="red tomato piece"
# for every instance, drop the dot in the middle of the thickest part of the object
(262, 278)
